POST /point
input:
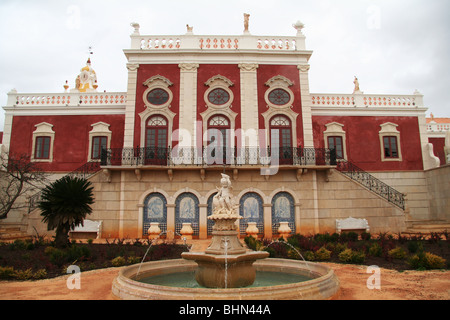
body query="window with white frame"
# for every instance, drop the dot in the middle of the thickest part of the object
(390, 142)
(43, 141)
(334, 138)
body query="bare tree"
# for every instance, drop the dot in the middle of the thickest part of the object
(18, 177)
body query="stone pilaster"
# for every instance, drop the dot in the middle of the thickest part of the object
(188, 102)
(131, 105)
(249, 104)
(306, 106)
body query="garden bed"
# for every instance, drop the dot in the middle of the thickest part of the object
(397, 252)
(39, 259)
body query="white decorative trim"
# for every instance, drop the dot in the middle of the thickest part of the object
(99, 129)
(390, 129)
(145, 115)
(219, 82)
(158, 82)
(43, 129)
(285, 111)
(335, 129)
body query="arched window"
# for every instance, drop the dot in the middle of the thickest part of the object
(155, 210)
(156, 134)
(281, 138)
(218, 139)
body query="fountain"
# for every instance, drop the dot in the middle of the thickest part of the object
(226, 270)
(225, 263)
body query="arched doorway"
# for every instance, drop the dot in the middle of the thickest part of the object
(281, 138)
(156, 136)
(219, 142)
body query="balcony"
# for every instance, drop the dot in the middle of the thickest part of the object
(179, 157)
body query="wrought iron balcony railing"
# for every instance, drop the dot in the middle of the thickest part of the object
(373, 184)
(205, 156)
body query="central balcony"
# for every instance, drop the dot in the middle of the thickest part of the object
(179, 157)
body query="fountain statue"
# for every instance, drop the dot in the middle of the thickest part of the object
(225, 263)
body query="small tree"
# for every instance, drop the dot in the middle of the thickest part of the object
(18, 177)
(65, 204)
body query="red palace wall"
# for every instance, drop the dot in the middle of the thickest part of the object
(363, 142)
(204, 73)
(231, 72)
(438, 148)
(266, 72)
(145, 72)
(71, 144)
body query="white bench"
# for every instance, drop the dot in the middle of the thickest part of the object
(89, 229)
(352, 224)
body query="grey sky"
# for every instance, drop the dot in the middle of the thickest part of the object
(393, 46)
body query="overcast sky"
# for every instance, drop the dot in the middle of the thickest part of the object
(393, 46)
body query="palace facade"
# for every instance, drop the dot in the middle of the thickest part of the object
(197, 106)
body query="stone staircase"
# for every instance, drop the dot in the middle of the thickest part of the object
(13, 231)
(426, 226)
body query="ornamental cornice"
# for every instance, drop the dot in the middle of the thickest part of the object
(219, 80)
(279, 81)
(158, 79)
(188, 66)
(303, 67)
(250, 67)
(132, 66)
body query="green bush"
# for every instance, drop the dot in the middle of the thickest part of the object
(426, 260)
(322, 254)
(414, 246)
(309, 256)
(57, 257)
(375, 250)
(350, 256)
(397, 253)
(118, 261)
(6, 273)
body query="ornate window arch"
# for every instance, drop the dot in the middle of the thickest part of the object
(158, 95)
(331, 137)
(218, 99)
(280, 100)
(390, 142)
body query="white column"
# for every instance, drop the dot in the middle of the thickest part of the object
(249, 104)
(128, 140)
(316, 201)
(188, 102)
(203, 221)
(306, 106)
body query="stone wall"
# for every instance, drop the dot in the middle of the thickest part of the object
(318, 202)
(438, 180)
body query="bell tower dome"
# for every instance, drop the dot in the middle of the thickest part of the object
(86, 81)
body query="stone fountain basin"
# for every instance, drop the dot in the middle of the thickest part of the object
(324, 284)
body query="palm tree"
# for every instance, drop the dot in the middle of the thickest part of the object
(65, 204)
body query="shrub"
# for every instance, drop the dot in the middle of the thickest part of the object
(309, 256)
(57, 257)
(75, 253)
(397, 253)
(118, 261)
(375, 250)
(350, 256)
(414, 246)
(322, 254)
(6, 273)
(346, 255)
(434, 261)
(426, 260)
(365, 236)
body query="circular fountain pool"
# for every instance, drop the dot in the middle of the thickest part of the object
(174, 279)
